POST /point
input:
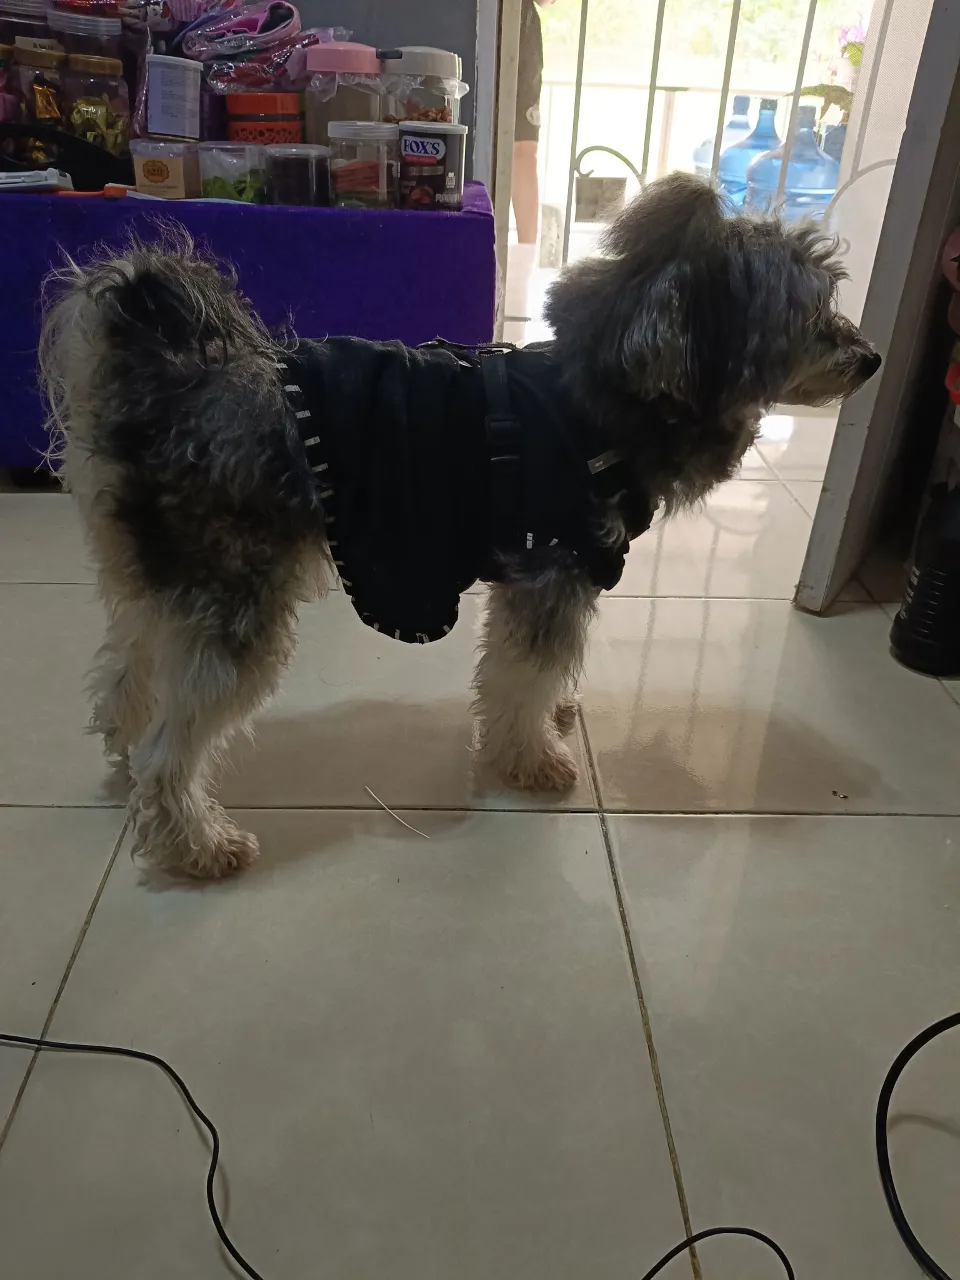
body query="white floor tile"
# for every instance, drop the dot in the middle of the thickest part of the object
(753, 466)
(41, 540)
(785, 963)
(807, 493)
(747, 540)
(736, 706)
(51, 862)
(425, 1058)
(48, 636)
(359, 710)
(797, 446)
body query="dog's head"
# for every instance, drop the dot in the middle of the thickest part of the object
(712, 319)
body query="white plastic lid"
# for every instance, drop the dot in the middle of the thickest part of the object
(422, 60)
(83, 24)
(154, 147)
(297, 150)
(362, 131)
(430, 126)
(24, 8)
(234, 148)
(185, 66)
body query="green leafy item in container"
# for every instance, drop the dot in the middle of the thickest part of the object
(248, 187)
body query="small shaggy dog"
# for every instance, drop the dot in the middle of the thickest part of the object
(223, 475)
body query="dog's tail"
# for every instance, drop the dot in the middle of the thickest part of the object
(123, 331)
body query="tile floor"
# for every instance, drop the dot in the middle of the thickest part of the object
(536, 1043)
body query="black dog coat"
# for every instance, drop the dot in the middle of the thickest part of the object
(441, 466)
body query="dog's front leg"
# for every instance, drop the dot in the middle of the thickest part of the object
(531, 652)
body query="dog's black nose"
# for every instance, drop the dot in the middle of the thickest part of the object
(870, 364)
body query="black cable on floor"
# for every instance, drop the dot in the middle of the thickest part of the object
(916, 1249)
(116, 1051)
(907, 1235)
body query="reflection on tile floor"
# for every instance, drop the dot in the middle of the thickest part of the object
(427, 1056)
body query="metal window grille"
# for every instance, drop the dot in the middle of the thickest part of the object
(654, 88)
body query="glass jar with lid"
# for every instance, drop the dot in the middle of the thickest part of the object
(39, 89)
(344, 84)
(422, 83)
(363, 164)
(96, 105)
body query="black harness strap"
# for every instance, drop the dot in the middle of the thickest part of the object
(503, 445)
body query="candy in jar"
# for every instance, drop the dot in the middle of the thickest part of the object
(96, 103)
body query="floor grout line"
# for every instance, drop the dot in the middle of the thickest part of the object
(578, 810)
(642, 1004)
(8, 1123)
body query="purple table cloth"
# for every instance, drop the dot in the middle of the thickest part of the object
(390, 274)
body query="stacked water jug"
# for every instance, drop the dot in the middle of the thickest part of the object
(750, 164)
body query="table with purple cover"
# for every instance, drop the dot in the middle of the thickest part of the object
(367, 273)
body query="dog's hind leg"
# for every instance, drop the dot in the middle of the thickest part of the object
(206, 689)
(531, 652)
(120, 682)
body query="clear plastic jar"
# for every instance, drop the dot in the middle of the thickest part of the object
(92, 35)
(9, 98)
(170, 170)
(24, 22)
(421, 83)
(298, 174)
(344, 84)
(233, 171)
(38, 81)
(364, 163)
(96, 105)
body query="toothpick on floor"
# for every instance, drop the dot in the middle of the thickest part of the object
(416, 831)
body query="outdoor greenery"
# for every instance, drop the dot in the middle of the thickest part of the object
(768, 36)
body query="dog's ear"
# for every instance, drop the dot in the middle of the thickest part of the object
(642, 307)
(666, 244)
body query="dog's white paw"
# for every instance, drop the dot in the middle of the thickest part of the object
(217, 849)
(553, 769)
(230, 851)
(565, 716)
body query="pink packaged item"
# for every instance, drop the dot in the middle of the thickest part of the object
(240, 32)
(281, 69)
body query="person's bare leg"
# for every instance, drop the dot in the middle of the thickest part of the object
(526, 191)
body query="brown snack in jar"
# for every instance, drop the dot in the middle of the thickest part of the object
(363, 168)
(428, 115)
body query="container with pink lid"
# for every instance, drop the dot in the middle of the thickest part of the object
(344, 84)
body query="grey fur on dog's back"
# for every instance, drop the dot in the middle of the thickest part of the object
(168, 380)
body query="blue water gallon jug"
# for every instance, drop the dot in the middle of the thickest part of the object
(735, 162)
(736, 128)
(811, 175)
(832, 140)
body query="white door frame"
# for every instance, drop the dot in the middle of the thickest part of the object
(922, 209)
(498, 43)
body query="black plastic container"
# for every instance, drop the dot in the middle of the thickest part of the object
(926, 632)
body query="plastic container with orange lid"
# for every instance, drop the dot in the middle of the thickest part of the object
(264, 117)
(344, 84)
